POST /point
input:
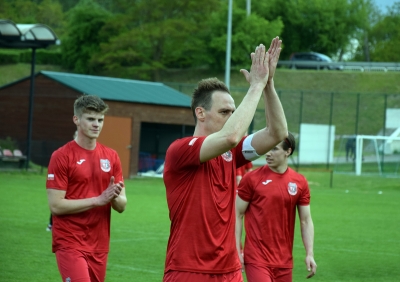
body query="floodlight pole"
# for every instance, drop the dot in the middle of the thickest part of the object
(228, 47)
(30, 116)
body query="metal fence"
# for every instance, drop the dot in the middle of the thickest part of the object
(350, 114)
(353, 66)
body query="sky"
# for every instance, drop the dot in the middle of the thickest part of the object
(382, 4)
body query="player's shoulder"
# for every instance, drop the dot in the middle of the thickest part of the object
(255, 174)
(105, 148)
(295, 174)
(184, 142)
(63, 150)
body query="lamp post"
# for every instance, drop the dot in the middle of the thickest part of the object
(24, 36)
(228, 47)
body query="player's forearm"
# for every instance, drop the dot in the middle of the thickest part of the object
(307, 234)
(238, 123)
(238, 232)
(68, 206)
(119, 203)
(274, 113)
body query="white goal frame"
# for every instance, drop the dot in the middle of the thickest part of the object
(359, 149)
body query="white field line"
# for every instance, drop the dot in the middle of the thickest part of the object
(353, 251)
(134, 268)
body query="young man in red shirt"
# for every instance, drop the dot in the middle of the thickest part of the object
(84, 181)
(267, 198)
(199, 172)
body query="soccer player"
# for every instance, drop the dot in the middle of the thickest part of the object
(199, 172)
(84, 181)
(267, 198)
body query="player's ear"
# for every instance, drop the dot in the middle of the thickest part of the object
(200, 113)
(75, 119)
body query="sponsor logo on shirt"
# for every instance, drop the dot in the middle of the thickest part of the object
(292, 188)
(80, 161)
(50, 177)
(105, 165)
(266, 182)
(227, 156)
(192, 141)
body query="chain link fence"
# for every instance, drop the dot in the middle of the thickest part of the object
(350, 114)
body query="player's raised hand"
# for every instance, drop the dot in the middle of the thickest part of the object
(274, 52)
(259, 70)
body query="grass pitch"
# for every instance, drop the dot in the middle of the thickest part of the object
(357, 230)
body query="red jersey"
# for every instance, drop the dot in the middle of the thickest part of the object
(83, 174)
(244, 169)
(271, 215)
(201, 202)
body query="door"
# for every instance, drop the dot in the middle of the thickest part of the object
(116, 134)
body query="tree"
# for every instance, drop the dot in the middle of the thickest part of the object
(247, 33)
(385, 37)
(83, 37)
(311, 25)
(153, 35)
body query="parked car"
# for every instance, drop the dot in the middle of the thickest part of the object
(313, 60)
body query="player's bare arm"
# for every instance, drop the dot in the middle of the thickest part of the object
(241, 207)
(307, 234)
(59, 205)
(119, 203)
(237, 123)
(276, 129)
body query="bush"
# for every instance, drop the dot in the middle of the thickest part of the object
(43, 57)
(7, 57)
(8, 143)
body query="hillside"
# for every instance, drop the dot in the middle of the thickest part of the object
(305, 95)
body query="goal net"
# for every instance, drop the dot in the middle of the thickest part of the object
(368, 154)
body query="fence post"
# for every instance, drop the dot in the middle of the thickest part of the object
(329, 131)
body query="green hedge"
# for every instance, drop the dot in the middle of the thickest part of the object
(43, 57)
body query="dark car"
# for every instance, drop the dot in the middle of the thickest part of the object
(313, 60)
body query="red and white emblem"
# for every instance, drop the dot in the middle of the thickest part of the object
(292, 188)
(105, 165)
(227, 156)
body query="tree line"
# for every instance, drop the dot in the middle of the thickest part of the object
(135, 38)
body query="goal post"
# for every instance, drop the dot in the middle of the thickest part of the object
(377, 150)
(368, 155)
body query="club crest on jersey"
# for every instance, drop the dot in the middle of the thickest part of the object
(105, 165)
(292, 188)
(227, 156)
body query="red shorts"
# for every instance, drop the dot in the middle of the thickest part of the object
(81, 266)
(184, 276)
(256, 273)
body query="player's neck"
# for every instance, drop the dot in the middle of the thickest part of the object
(279, 169)
(86, 143)
(198, 131)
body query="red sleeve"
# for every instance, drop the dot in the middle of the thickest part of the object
(57, 176)
(118, 174)
(240, 160)
(245, 188)
(305, 196)
(184, 153)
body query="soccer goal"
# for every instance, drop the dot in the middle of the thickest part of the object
(369, 154)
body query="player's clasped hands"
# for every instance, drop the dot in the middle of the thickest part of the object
(113, 190)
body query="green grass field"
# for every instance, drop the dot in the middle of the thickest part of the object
(357, 233)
